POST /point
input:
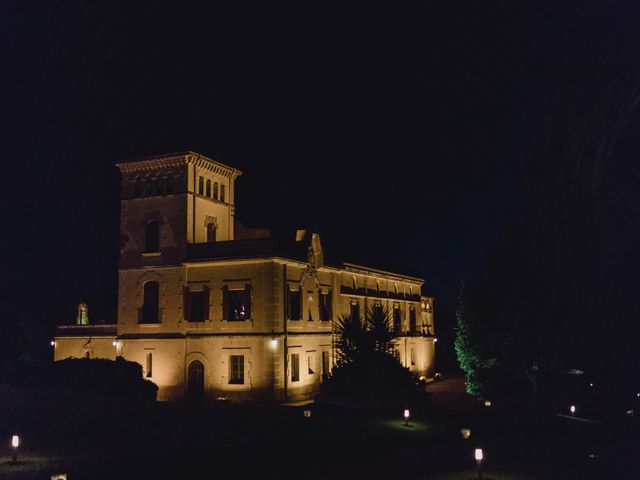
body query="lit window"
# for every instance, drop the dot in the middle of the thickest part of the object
(152, 236)
(294, 304)
(196, 305)
(201, 185)
(208, 189)
(236, 304)
(295, 367)
(151, 296)
(149, 372)
(215, 191)
(236, 369)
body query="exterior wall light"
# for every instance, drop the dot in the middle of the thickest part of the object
(53, 343)
(274, 343)
(435, 339)
(479, 456)
(15, 443)
(114, 343)
(487, 403)
(307, 413)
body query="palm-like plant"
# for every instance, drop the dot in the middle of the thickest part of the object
(358, 340)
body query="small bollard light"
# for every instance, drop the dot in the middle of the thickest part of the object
(572, 409)
(591, 384)
(307, 413)
(15, 443)
(479, 456)
(487, 403)
(406, 416)
(465, 432)
(630, 413)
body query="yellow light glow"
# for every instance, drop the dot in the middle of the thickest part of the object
(307, 413)
(115, 344)
(478, 454)
(487, 403)
(15, 441)
(465, 432)
(274, 343)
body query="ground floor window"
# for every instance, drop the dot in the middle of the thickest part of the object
(295, 367)
(236, 369)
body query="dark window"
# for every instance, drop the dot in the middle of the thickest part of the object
(161, 185)
(169, 183)
(201, 186)
(311, 364)
(377, 308)
(412, 356)
(211, 232)
(222, 189)
(195, 381)
(148, 186)
(196, 305)
(294, 304)
(325, 306)
(215, 191)
(137, 189)
(152, 236)
(149, 372)
(397, 320)
(325, 365)
(355, 310)
(208, 190)
(236, 304)
(151, 298)
(156, 186)
(412, 320)
(295, 367)
(236, 369)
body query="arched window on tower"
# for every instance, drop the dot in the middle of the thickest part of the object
(149, 313)
(215, 191)
(148, 185)
(137, 188)
(201, 186)
(208, 188)
(222, 192)
(169, 183)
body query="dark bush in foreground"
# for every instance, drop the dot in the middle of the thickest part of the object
(377, 381)
(119, 378)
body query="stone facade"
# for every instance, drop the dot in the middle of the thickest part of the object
(208, 314)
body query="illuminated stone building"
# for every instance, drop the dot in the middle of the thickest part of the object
(212, 309)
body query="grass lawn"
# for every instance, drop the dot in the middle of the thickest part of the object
(97, 438)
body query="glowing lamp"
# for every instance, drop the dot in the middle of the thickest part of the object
(274, 343)
(478, 455)
(406, 416)
(307, 413)
(115, 344)
(572, 409)
(638, 395)
(15, 441)
(53, 343)
(435, 340)
(487, 403)
(630, 413)
(465, 432)
(591, 384)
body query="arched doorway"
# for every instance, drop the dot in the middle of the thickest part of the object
(195, 380)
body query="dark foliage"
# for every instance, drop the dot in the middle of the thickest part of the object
(367, 371)
(119, 378)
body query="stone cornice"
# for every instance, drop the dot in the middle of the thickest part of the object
(174, 160)
(353, 268)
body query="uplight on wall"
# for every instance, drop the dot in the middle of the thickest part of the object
(274, 343)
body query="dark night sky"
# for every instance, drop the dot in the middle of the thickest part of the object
(399, 131)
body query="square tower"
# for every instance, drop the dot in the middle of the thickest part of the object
(169, 201)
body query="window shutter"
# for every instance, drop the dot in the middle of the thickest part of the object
(205, 303)
(187, 304)
(226, 314)
(247, 292)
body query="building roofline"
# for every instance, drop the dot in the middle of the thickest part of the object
(352, 267)
(188, 155)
